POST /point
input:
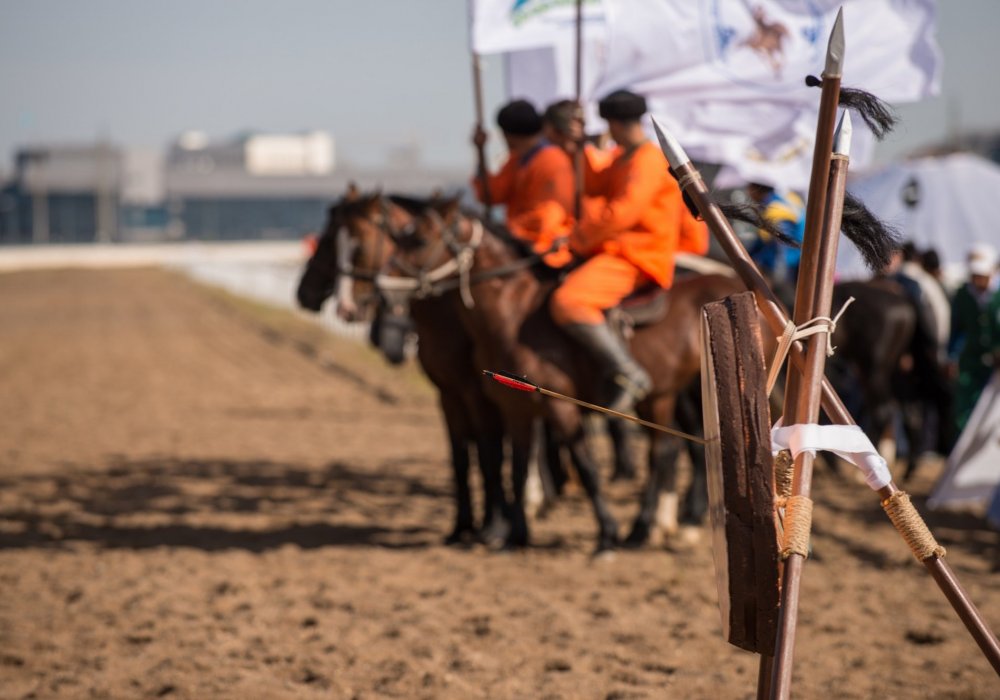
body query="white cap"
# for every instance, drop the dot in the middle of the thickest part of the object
(982, 259)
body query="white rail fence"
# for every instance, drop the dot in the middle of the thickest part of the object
(265, 271)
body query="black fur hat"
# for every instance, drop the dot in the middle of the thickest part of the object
(622, 105)
(519, 118)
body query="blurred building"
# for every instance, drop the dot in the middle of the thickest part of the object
(62, 194)
(254, 186)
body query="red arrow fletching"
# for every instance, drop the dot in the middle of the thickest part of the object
(511, 380)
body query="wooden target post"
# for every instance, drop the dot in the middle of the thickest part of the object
(740, 477)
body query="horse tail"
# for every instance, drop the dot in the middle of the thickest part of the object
(878, 115)
(873, 238)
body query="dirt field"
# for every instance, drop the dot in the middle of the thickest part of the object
(200, 498)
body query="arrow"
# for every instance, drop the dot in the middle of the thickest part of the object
(521, 384)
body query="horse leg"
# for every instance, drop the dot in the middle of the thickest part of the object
(913, 424)
(586, 468)
(659, 497)
(556, 472)
(455, 421)
(521, 439)
(619, 431)
(689, 420)
(495, 525)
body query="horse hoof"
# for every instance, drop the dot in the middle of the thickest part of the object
(638, 537)
(516, 540)
(460, 536)
(623, 476)
(689, 534)
(494, 535)
(604, 554)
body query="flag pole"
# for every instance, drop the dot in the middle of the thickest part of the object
(477, 94)
(578, 152)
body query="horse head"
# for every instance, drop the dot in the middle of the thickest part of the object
(357, 239)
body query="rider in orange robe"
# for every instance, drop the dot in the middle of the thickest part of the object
(693, 235)
(535, 184)
(629, 232)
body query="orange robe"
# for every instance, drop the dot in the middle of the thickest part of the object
(693, 234)
(537, 189)
(634, 212)
(629, 232)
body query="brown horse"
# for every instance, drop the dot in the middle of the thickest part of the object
(502, 304)
(359, 237)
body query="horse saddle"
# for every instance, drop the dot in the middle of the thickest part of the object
(643, 307)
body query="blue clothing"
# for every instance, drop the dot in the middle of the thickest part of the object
(778, 260)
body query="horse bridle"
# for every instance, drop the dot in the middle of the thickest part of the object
(347, 246)
(426, 280)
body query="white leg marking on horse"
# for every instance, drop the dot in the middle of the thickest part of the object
(666, 513)
(534, 494)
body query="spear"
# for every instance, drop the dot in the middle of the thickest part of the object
(807, 407)
(812, 266)
(691, 182)
(816, 200)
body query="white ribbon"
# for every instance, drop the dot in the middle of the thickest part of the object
(846, 441)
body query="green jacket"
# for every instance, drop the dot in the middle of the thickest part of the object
(975, 332)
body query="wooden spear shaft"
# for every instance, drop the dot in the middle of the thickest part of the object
(477, 89)
(691, 182)
(813, 264)
(816, 200)
(578, 153)
(807, 412)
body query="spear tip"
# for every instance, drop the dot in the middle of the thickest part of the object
(842, 138)
(672, 150)
(835, 48)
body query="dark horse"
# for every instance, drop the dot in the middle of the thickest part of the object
(502, 305)
(345, 264)
(881, 351)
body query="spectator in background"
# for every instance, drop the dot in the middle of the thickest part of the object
(975, 331)
(936, 303)
(931, 262)
(780, 262)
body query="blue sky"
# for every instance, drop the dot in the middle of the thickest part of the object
(375, 73)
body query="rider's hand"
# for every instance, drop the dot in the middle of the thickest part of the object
(479, 137)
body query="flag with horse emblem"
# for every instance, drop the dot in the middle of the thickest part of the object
(726, 76)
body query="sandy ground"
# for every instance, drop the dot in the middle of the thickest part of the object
(201, 498)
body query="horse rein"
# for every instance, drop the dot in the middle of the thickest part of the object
(424, 282)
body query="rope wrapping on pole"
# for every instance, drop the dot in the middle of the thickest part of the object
(911, 526)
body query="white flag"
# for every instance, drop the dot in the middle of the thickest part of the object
(500, 26)
(727, 77)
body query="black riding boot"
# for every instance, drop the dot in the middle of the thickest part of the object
(631, 384)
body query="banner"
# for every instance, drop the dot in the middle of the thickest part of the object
(500, 26)
(727, 76)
